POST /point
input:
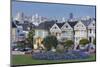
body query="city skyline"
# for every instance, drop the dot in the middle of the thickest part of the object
(51, 10)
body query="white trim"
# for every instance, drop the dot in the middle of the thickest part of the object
(55, 25)
(90, 26)
(79, 22)
(69, 27)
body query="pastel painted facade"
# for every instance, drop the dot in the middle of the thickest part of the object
(67, 32)
(74, 29)
(56, 31)
(41, 31)
(13, 33)
(80, 32)
(91, 31)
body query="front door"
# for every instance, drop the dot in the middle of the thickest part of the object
(90, 39)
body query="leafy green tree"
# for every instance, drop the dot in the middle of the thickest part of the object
(69, 43)
(50, 41)
(84, 41)
(30, 38)
(94, 41)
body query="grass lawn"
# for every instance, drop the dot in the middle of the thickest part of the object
(27, 59)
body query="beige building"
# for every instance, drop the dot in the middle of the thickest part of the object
(13, 33)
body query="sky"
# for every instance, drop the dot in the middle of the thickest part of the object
(51, 10)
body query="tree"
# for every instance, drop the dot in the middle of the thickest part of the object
(94, 41)
(84, 41)
(69, 43)
(49, 42)
(30, 38)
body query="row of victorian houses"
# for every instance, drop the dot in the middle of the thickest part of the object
(68, 30)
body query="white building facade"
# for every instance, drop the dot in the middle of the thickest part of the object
(63, 30)
(56, 31)
(91, 31)
(80, 32)
(67, 32)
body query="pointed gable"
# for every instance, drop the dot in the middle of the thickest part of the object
(92, 24)
(66, 26)
(14, 25)
(72, 23)
(60, 24)
(46, 25)
(55, 28)
(80, 26)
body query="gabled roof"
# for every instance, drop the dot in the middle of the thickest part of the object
(13, 25)
(17, 23)
(32, 26)
(60, 24)
(45, 25)
(27, 25)
(87, 22)
(72, 23)
(48, 24)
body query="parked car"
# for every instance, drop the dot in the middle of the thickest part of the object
(16, 49)
(28, 50)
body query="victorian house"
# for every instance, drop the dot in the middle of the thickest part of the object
(92, 30)
(56, 30)
(41, 31)
(66, 30)
(80, 32)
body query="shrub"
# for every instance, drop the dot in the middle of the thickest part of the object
(94, 41)
(69, 43)
(60, 56)
(84, 41)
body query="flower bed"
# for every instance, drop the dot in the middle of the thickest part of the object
(60, 56)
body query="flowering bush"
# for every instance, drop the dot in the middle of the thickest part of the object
(60, 56)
